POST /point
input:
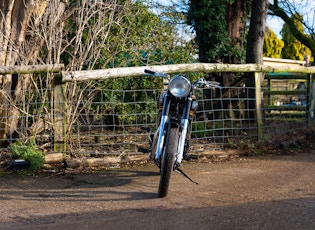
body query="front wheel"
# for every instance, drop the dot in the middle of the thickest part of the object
(167, 163)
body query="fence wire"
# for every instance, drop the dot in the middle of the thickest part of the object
(119, 121)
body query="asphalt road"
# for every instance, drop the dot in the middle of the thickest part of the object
(271, 192)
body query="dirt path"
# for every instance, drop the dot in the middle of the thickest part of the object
(274, 192)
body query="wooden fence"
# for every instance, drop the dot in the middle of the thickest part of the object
(59, 141)
(200, 67)
(62, 77)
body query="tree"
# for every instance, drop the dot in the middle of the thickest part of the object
(272, 44)
(254, 48)
(285, 9)
(255, 39)
(237, 16)
(83, 35)
(294, 49)
(220, 29)
(15, 16)
(220, 32)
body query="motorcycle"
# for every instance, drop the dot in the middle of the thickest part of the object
(169, 145)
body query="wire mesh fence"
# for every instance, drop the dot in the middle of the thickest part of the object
(121, 121)
(114, 121)
(117, 121)
(106, 121)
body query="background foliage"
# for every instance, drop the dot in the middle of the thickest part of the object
(272, 45)
(209, 20)
(293, 48)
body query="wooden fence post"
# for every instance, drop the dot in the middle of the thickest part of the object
(258, 98)
(60, 119)
(310, 99)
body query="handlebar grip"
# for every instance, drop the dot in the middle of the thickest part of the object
(149, 71)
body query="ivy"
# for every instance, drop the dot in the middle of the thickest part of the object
(208, 19)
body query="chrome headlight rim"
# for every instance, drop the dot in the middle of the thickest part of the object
(179, 86)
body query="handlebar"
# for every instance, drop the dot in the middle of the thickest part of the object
(156, 74)
(149, 71)
(201, 83)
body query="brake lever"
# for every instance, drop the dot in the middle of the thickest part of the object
(213, 84)
(207, 84)
(156, 74)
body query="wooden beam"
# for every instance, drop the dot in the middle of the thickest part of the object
(31, 69)
(103, 74)
(285, 92)
(287, 76)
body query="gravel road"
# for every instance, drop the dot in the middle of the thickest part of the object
(268, 192)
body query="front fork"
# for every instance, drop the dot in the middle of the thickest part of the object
(184, 123)
(162, 129)
(184, 131)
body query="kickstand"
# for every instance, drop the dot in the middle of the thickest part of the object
(185, 175)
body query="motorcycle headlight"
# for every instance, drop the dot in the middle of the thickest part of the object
(179, 86)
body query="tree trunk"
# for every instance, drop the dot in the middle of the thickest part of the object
(220, 29)
(236, 16)
(15, 16)
(255, 40)
(254, 49)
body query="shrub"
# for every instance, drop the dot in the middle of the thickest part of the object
(28, 151)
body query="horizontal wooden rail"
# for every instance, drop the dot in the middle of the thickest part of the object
(289, 76)
(285, 92)
(287, 108)
(104, 74)
(31, 69)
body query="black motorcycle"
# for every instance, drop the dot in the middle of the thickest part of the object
(170, 142)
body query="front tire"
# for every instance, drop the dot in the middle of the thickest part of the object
(167, 163)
